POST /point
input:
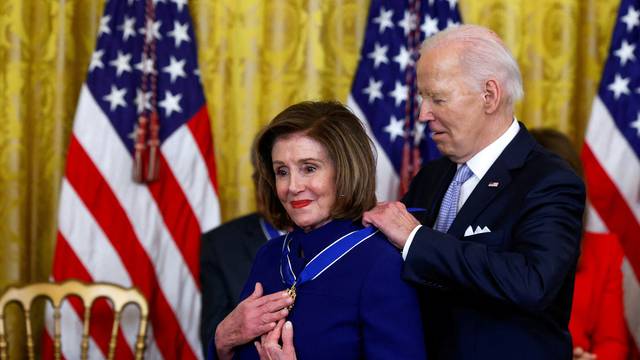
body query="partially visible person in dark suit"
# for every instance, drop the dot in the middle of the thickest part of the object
(597, 323)
(495, 252)
(226, 255)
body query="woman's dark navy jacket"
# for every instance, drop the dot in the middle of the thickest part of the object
(359, 308)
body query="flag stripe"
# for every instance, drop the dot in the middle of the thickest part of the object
(191, 173)
(594, 222)
(108, 212)
(200, 127)
(180, 221)
(612, 207)
(615, 155)
(188, 165)
(606, 156)
(101, 259)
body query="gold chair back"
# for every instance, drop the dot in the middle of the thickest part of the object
(88, 293)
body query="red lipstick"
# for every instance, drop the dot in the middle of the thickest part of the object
(298, 204)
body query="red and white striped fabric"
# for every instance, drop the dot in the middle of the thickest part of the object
(611, 155)
(113, 229)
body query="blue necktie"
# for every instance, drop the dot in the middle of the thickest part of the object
(449, 207)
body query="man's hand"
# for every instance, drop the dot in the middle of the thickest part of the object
(254, 316)
(269, 347)
(580, 354)
(393, 219)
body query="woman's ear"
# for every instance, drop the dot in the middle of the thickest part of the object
(491, 96)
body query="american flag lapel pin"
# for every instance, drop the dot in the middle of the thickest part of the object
(493, 184)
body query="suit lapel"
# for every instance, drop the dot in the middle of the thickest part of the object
(513, 157)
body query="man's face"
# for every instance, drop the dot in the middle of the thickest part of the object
(451, 106)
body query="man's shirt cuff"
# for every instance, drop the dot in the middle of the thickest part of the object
(405, 249)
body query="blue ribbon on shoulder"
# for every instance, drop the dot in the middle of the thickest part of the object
(326, 258)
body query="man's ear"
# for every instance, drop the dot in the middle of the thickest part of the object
(491, 96)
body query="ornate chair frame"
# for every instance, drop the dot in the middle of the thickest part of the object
(88, 293)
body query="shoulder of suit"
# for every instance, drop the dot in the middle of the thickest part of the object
(241, 225)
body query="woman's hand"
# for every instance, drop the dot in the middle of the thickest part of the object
(269, 346)
(254, 316)
(580, 354)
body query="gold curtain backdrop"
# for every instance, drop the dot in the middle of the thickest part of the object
(256, 57)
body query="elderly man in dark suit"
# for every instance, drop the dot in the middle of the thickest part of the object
(495, 251)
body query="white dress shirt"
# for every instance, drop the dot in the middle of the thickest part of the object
(479, 164)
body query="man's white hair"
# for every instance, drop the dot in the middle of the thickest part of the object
(484, 56)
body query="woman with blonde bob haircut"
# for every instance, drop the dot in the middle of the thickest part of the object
(335, 281)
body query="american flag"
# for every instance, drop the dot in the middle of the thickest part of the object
(384, 93)
(114, 229)
(611, 154)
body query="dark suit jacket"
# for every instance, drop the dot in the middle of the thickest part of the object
(505, 294)
(225, 262)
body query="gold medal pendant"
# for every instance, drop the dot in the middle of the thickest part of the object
(292, 292)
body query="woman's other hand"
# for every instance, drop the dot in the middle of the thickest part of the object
(254, 316)
(269, 345)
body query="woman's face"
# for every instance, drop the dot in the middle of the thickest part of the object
(305, 179)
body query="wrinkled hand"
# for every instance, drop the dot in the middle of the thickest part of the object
(269, 347)
(580, 354)
(393, 219)
(254, 316)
